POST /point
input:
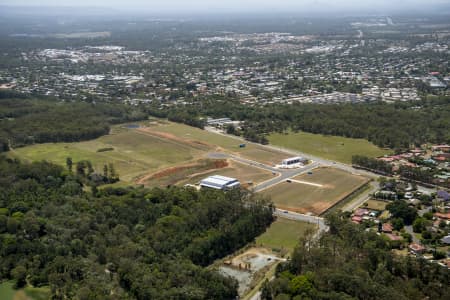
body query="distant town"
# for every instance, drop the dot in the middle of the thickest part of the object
(361, 64)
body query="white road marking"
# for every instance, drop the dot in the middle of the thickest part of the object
(306, 182)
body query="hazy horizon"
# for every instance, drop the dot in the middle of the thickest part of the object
(247, 6)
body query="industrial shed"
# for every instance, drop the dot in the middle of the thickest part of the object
(220, 183)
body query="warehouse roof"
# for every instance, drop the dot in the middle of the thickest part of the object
(219, 182)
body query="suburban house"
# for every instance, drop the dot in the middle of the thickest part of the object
(416, 248)
(387, 228)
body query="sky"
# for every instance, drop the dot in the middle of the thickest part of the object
(239, 5)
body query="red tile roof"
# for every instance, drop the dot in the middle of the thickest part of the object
(387, 227)
(356, 219)
(361, 212)
(416, 247)
(445, 216)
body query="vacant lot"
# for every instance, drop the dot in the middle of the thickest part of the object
(317, 192)
(248, 267)
(376, 204)
(154, 147)
(193, 172)
(330, 147)
(220, 142)
(283, 234)
(247, 175)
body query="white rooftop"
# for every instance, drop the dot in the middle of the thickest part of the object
(219, 182)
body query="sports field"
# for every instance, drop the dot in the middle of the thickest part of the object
(283, 234)
(315, 193)
(330, 147)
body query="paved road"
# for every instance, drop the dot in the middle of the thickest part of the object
(318, 160)
(302, 217)
(284, 174)
(409, 230)
(374, 186)
(281, 174)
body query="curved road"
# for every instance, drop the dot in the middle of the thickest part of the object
(282, 174)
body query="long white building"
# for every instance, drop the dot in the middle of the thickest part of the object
(220, 183)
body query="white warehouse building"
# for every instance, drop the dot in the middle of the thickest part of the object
(293, 162)
(220, 183)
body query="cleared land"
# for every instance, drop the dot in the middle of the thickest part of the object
(247, 175)
(283, 234)
(134, 153)
(330, 186)
(221, 142)
(330, 147)
(194, 172)
(158, 153)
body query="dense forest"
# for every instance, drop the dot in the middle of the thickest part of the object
(349, 263)
(25, 121)
(122, 243)
(396, 126)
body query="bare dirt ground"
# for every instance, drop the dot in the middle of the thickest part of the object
(199, 145)
(246, 267)
(168, 172)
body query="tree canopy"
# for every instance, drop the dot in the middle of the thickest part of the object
(25, 121)
(125, 243)
(349, 263)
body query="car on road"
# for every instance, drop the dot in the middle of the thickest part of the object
(288, 180)
(309, 173)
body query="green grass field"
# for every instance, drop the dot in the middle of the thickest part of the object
(229, 144)
(283, 234)
(6, 290)
(330, 147)
(154, 147)
(134, 153)
(376, 204)
(28, 293)
(333, 186)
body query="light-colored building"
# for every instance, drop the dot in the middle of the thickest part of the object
(293, 162)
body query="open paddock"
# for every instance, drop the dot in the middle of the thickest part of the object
(140, 149)
(217, 141)
(330, 147)
(283, 235)
(315, 193)
(134, 153)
